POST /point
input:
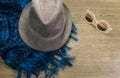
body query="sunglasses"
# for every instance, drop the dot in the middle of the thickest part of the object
(101, 25)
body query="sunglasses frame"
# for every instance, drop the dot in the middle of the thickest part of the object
(95, 22)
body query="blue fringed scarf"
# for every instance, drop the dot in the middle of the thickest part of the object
(18, 55)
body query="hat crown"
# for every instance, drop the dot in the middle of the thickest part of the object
(47, 9)
(47, 18)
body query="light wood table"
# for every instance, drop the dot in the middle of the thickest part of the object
(97, 54)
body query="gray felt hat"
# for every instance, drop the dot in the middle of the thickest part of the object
(45, 25)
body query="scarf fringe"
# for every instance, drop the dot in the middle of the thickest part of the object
(34, 62)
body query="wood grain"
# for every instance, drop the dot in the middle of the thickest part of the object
(97, 54)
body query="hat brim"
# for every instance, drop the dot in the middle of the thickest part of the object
(43, 44)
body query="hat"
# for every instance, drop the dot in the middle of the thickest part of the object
(45, 25)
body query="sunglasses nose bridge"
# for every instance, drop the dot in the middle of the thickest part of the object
(95, 20)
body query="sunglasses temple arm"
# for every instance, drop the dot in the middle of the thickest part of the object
(110, 28)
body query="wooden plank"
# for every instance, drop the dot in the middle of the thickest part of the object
(97, 54)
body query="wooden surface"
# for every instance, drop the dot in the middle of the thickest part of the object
(97, 54)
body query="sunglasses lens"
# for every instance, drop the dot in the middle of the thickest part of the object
(89, 18)
(102, 26)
